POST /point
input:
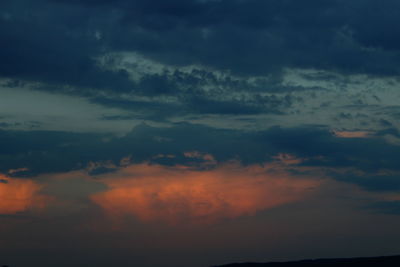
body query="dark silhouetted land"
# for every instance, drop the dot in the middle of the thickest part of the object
(350, 262)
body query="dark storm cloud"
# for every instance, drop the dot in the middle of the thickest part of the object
(361, 159)
(257, 37)
(42, 42)
(59, 44)
(55, 41)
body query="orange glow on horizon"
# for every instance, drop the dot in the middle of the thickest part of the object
(18, 195)
(174, 195)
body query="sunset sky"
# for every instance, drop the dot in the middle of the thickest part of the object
(192, 133)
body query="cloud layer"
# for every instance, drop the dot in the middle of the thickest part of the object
(180, 195)
(155, 113)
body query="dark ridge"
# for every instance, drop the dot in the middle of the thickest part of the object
(350, 262)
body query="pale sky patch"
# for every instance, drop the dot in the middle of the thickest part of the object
(25, 109)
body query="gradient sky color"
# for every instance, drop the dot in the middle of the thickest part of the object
(188, 133)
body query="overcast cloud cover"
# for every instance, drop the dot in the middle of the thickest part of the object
(99, 96)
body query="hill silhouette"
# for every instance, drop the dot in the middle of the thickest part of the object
(386, 261)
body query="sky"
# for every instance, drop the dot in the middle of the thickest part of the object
(189, 133)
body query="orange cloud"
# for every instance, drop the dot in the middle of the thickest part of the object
(17, 195)
(178, 194)
(352, 134)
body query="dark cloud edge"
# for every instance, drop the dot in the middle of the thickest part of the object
(43, 152)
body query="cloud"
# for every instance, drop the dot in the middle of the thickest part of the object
(15, 171)
(268, 36)
(202, 156)
(42, 45)
(352, 134)
(59, 44)
(161, 61)
(46, 151)
(288, 159)
(20, 195)
(154, 193)
(368, 162)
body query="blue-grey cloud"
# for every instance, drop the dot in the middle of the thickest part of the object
(60, 44)
(56, 39)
